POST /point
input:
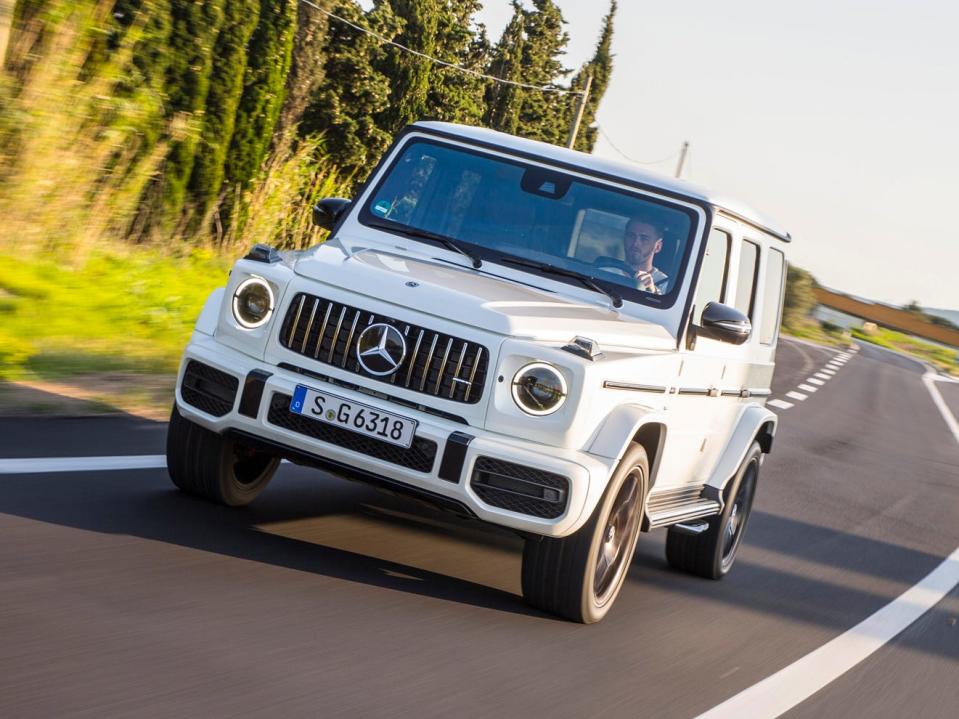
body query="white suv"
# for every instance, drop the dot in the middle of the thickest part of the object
(527, 335)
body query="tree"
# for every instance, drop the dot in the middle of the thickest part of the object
(799, 300)
(453, 95)
(542, 115)
(503, 101)
(355, 91)
(219, 117)
(268, 62)
(601, 69)
(306, 69)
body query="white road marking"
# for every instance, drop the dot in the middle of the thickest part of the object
(796, 395)
(823, 375)
(779, 404)
(44, 465)
(792, 685)
(813, 380)
(808, 388)
(834, 365)
(829, 372)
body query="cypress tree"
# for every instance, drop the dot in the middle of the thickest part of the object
(193, 32)
(410, 75)
(306, 69)
(601, 68)
(239, 20)
(503, 101)
(542, 114)
(355, 90)
(268, 62)
(453, 95)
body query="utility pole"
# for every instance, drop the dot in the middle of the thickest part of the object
(682, 159)
(578, 115)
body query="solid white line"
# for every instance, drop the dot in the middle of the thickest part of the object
(795, 683)
(44, 465)
(813, 380)
(792, 685)
(779, 404)
(808, 388)
(796, 395)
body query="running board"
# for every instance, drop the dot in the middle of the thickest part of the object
(681, 505)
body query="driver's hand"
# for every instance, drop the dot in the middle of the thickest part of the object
(645, 280)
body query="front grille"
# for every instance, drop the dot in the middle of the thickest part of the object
(436, 364)
(208, 389)
(518, 488)
(419, 456)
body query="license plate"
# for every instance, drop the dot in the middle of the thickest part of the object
(354, 416)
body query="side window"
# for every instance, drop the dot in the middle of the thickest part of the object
(712, 275)
(772, 296)
(746, 279)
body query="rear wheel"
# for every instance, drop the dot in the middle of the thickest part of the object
(712, 553)
(214, 467)
(580, 576)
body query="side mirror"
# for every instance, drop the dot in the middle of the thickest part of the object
(328, 211)
(724, 323)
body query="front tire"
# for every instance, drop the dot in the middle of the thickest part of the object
(712, 553)
(214, 467)
(579, 577)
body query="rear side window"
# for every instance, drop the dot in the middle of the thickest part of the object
(746, 280)
(772, 296)
(712, 274)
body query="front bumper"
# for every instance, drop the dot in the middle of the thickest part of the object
(443, 478)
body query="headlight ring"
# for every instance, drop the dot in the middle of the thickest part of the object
(539, 389)
(253, 303)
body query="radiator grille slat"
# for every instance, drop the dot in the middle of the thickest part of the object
(435, 363)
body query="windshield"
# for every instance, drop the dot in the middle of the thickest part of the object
(499, 208)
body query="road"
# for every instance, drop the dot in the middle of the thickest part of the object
(121, 597)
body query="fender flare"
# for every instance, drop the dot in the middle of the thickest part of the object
(210, 314)
(755, 422)
(621, 427)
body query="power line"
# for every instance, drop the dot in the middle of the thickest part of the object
(437, 61)
(627, 157)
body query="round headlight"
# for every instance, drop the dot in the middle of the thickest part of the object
(539, 389)
(253, 303)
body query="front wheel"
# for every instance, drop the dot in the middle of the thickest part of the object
(208, 465)
(579, 576)
(712, 553)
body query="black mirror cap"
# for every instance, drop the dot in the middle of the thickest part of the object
(726, 324)
(328, 211)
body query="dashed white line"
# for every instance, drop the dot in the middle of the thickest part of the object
(813, 380)
(808, 388)
(822, 375)
(780, 404)
(796, 395)
(828, 372)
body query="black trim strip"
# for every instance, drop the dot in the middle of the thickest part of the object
(253, 392)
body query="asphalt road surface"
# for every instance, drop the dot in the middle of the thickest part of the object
(119, 596)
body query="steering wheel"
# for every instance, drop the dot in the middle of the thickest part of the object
(612, 265)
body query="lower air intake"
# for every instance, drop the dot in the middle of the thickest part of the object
(518, 488)
(209, 390)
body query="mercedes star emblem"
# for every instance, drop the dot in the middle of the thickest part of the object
(381, 349)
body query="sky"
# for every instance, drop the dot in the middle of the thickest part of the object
(837, 119)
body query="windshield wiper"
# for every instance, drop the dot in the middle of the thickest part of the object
(586, 280)
(427, 235)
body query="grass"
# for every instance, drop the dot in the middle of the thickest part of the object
(118, 310)
(814, 331)
(942, 358)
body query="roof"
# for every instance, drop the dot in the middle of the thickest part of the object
(592, 163)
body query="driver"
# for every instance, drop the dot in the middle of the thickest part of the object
(641, 241)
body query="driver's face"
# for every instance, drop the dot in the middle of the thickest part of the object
(640, 242)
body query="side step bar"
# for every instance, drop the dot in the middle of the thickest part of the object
(682, 505)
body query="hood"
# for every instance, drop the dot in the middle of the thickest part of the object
(481, 298)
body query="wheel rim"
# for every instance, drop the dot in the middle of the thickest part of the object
(249, 464)
(616, 540)
(738, 515)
